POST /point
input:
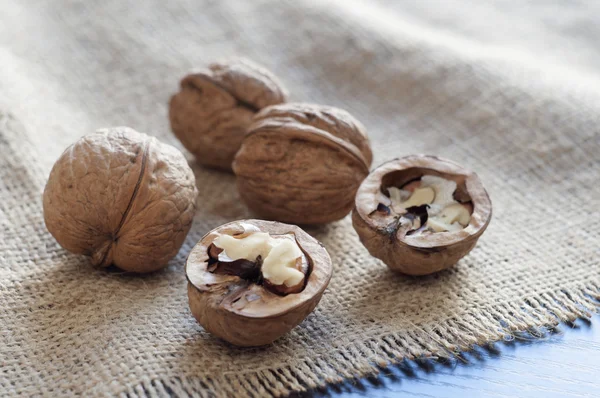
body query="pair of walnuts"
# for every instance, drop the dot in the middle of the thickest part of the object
(294, 162)
(124, 198)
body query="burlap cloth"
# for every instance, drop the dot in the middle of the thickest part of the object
(511, 92)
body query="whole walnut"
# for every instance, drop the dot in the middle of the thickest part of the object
(302, 163)
(121, 197)
(215, 107)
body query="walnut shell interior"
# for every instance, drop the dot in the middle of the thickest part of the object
(214, 107)
(418, 254)
(246, 313)
(302, 163)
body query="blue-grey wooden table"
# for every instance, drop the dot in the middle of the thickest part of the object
(565, 363)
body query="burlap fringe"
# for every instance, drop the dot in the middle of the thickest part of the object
(529, 318)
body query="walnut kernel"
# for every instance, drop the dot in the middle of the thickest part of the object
(252, 281)
(412, 229)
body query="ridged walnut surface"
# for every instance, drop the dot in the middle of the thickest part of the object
(214, 107)
(302, 163)
(418, 254)
(121, 197)
(219, 302)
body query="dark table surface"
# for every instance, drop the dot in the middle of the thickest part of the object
(564, 363)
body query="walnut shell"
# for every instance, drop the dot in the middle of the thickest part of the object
(214, 107)
(302, 163)
(418, 254)
(245, 313)
(121, 197)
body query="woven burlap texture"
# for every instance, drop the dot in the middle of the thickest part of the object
(528, 125)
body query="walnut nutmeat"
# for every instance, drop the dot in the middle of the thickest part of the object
(302, 163)
(426, 231)
(246, 301)
(121, 197)
(214, 107)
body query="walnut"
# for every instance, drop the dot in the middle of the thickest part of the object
(252, 281)
(421, 214)
(302, 163)
(122, 198)
(214, 107)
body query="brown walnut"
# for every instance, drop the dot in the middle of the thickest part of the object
(121, 197)
(214, 107)
(234, 301)
(302, 163)
(391, 237)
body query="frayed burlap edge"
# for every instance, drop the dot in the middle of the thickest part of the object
(530, 317)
